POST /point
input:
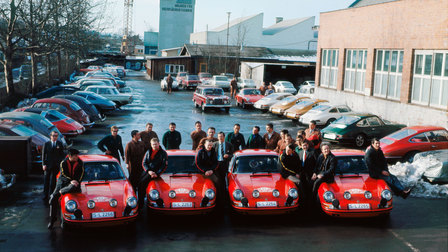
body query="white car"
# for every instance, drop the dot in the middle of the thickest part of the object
(308, 83)
(220, 81)
(284, 87)
(325, 114)
(112, 94)
(163, 84)
(246, 83)
(306, 91)
(266, 102)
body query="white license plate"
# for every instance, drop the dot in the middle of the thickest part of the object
(330, 136)
(358, 206)
(182, 204)
(103, 215)
(266, 203)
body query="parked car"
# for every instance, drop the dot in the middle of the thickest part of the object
(190, 81)
(106, 196)
(33, 121)
(163, 84)
(101, 103)
(91, 69)
(99, 74)
(358, 129)
(307, 91)
(299, 109)
(220, 81)
(88, 83)
(66, 125)
(112, 94)
(179, 76)
(266, 102)
(205, 78)
(354, 193)
(248, 97)
(308, 83)
(66, 107)
(106, 81)
(121, 72)
(255, 185)
(228, 75)
(284, 87)
(57, 90)
(246, 83)
(437, 171)
(181, 189)
(86, 105)
(207, 97)
(325, 114)
(405, 143)
(280, 107)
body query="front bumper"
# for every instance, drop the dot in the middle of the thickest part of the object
(344, 213)
(265, 211)
(101, 222)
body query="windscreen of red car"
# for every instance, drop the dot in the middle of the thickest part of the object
(102, 171)
(256, 164)
(351, 165)
(214, 91)
(181, 164)
(251, 92)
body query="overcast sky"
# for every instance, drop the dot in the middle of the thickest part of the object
(213, 12)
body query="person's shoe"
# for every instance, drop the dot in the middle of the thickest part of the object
(406, 193)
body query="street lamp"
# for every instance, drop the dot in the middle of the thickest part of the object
(227, 43)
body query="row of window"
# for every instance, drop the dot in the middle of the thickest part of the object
(429, 82)
(174, 69)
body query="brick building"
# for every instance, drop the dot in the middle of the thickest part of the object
(387, 57)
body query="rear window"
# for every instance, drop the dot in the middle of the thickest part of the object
(321, 108)
(181, 164)
(75, 106)
(402, 134)
(346, 120)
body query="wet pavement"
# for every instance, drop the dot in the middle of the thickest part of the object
(416, 224)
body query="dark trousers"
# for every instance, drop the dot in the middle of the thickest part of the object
(317, 184)
(300, 183)
(216, 179)
(63, 186)
(145, 178)
(393, 183)
(50, 180)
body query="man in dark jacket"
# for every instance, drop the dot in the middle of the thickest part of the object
(112, 144)
(207, 162)
(291, 168)
(376, 162)
(197, 134)
(271, 137)
(172, 139)
(236, 138)
(52, 155)
(169, 84)
(147, 135)
(224, 152)
(325, 168)
(308, 161)
(255, 141)
(72, 171)
(134, 153)
(154, 164)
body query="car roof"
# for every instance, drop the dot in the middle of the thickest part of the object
(347, 152)
(98, 86)
(251, 152)
(55, 100)
(97, 158)
(181, 152)
(421, 128)
(207, 86)
(21, 115)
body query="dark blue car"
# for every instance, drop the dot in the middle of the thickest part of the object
(103, 104)
(57, 90)
(86, 105)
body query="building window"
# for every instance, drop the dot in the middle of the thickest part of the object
(430, 80)
(203, 67)
(329, 68)
(173, 69)
(355, 70)
(388, 69)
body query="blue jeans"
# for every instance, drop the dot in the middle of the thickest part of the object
(393, 183)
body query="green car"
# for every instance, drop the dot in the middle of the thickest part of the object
(358, 129)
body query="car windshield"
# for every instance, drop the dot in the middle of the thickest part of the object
(102, 171)
(181, 164)
(249, 81)
(321, 108)
(205, 75)
(402, 134)
(75, 106)
(221, 78)
(214, 91)
(192, 77)
(23, 131)
(346, 120)
(351, 164)
(287, 84)
(251, 92)
(257, 164)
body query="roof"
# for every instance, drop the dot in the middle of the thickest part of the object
(347, 152)
(255, 152)
(181, 152)
(97, 158)
(55, 100)
(283, 25)
(361, 3)
(234, 22)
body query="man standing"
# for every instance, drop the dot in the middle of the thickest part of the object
(271, 137)
(52, 155)
(197, 135)
(224, 152)
(325, 168)
(72, 171)
(147, 135)
(207, 163)
(172, 138)
(134, 153)
(154, 164)
(112, 144)
(233, 87)
(313, 134)
(308, 161)
(236, 139)
(169, 84)
(255, 141)
(210, 136)
(376, 162)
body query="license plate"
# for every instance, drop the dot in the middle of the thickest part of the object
(182, 204)
(330, 136)
(103, 215)
(358, 206)
(266, 203)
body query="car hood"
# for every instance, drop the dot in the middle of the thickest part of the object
(335, 128)
(263, 182)
(102, 191)
(357, 184)
(253, 98)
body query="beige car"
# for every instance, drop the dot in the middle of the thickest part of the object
(280, 107)
(302, 107)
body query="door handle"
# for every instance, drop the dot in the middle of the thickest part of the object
(433, 146)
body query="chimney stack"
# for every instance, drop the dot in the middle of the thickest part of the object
(278, 20)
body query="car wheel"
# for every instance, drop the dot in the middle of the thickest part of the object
(203, 107)
(330, 121)
(243, 105)
(360, 140)
(237, 103)
(409, 157)
(227, 110)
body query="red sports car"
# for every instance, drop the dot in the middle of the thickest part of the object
(106, 196)
(248, 96)
(353, 193)
(405, 143)
(256, 187)
(181, 189)
(66, 125)
(66, 107)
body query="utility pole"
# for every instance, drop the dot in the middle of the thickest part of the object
(127, 26)
(227, 44)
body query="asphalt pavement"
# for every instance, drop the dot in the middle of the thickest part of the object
(415, 224)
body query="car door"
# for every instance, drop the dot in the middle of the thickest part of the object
(362, 127)
(377, 128)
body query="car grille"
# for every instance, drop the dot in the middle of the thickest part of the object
(218, 102)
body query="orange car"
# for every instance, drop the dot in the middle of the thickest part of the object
(280, 107)
(302, 107)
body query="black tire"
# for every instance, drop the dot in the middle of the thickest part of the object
(243, 105)
(237, 104)
(196, 105)
(330, 121)
(203, 107)
(227, 110)
(409, 157)
(360, 140)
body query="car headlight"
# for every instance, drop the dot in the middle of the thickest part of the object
(131, 202)
(192, 194)
(154, 195)
(347, 196)
(237, 194)
(276, 193)
(368, 195)
(172, 194)
(256, 194)
(328, 196)
(386, 194)
(293, 193)
(210, 194)
(91, 204)
(113, 202)
(71, 206)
